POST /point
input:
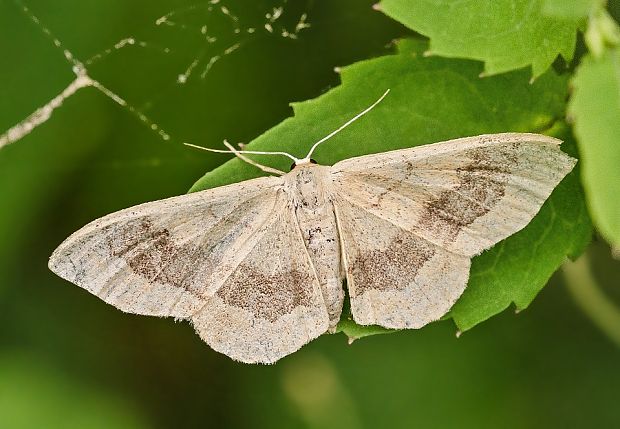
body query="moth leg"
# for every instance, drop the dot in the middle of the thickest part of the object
(244, 158)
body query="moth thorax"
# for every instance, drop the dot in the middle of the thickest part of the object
(308, 185)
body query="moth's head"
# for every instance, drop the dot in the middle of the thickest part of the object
(302, 162)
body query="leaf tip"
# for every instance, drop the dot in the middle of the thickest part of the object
(337, 69)
(377, 7)
(458, 333)
(427, 53)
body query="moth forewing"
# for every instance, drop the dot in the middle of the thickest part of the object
(411, 219)
(157, 258)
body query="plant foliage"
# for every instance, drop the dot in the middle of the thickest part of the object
(434, 99)
(505, 34)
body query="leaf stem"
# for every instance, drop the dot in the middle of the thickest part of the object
(590, 298)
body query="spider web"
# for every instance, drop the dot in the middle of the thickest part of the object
(219, 30)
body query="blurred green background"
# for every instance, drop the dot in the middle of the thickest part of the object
(68, 360)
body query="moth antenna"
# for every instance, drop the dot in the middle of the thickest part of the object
(265, 168)
(306, 159)
(240, 154)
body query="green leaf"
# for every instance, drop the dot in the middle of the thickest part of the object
(602, 32)
(505, 34)
(354, 331)
(516, 269)
(595, 107)
(434, 99)
(571, 9)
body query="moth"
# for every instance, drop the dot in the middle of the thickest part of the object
(258, 266)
